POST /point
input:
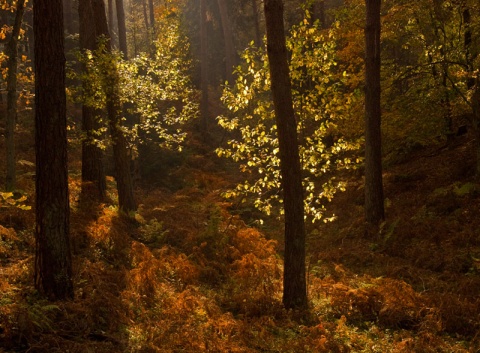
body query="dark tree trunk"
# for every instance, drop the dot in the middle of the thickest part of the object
(122, 28)
(92, 155)
(256, 22)
(12, 52)
(111, 19)
(467, 19)
(53, 262)
(145, 14)
(472, 84)
(204, 67)
(294, 284)
(228, 40)
(28, 20)
(374, 203)
(126, 200)
(152, 14)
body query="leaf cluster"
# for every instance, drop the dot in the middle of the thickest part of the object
(155, 90)
(321, 103)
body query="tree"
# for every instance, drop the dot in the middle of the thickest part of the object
(152, 15)
(122, 29)
(228, 39)
(324, 109)
(53, 263)
(256, 24)
(12, 52)
(110, 78)
(92, 154)
(111, 20)
(374, 203)
(204, 111)
(294, 281)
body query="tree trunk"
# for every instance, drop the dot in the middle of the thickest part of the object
(92, 156)
(468, 46)
(126, 200)
(145, 14)
(53, 262)
(256, 21)
(28, 20)
(204, 113)
(12, 52)
(228, 39)
(111, 19)
(152, 14)
(473, 84)
(294, 283)
(374, 203)
(122, 29)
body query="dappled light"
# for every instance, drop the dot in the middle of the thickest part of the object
(153, 181)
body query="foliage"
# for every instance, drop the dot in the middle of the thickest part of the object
(8, 199)
(321, 104)
(155, 89)
(159, 88)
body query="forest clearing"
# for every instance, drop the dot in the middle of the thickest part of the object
(240, 176)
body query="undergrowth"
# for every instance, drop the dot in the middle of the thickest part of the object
(190, 276)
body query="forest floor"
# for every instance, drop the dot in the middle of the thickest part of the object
(193, 274)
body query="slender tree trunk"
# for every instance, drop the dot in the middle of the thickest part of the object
(472, 83)
(53, 262)
(228, 39)
(294, 283)
(145, 14)
(476, 125)
(374, 203)
(122, 28)
(111, 20)
(28, 20)
(126, 200)
(467, 20)
(256, 21)
(12, 52)
(152, 14)
(92, 156)
(204, 66)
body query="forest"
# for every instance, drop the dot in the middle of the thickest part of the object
(240, 176)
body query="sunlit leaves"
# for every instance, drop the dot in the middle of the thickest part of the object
(8, 199)
(156, 88)
(320, 104)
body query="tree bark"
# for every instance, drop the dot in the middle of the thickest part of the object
(122, 28)
(472, 83)
(294, 283)
(53, 262)
(256, 22)
(152, 14)
(374, 203)
(228, 40)
(145, 14)
(12, 52)
(204, 113)
(111, 20)
(92, 156)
